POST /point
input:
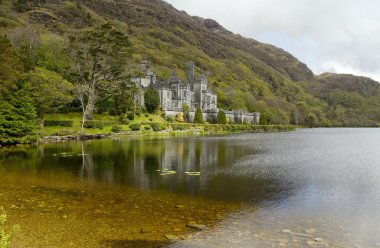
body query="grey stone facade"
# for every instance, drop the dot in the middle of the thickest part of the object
(196, 92)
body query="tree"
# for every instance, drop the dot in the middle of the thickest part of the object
(27, 40)
(48, 90)
(152, 99)
(100, 61)
(312, 120)
(17, 116)
(17, 113)
(264, 118)
(198, 117)
(52, 53)
(221, 118)
(186, 112)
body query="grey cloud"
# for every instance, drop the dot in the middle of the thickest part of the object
(338, 35)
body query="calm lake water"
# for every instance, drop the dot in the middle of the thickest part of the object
(295, 186)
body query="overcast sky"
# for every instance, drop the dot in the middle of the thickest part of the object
(328, 35)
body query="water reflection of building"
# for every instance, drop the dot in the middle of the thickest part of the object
(180, 155)
(139, 162)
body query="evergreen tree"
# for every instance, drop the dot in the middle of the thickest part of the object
(198, 117)
(221, 118)
(152, 99)
(17, 113)
(18, 122)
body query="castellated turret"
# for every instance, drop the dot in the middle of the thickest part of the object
(191, 73)
(145, 67)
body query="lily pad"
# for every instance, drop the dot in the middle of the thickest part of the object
(193, 173)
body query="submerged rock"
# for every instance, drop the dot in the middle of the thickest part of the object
(310, 231)
(317, 243)
(302, 235)
(171, 237)
(197, 226)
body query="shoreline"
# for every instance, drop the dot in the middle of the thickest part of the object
(214, 130)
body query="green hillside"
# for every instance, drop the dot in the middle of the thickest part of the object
(245, 73)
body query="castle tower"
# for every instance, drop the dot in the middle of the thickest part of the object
(172, 76)
(191, 75)
(145, 67)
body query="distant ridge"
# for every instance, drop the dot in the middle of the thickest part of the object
(245, 73)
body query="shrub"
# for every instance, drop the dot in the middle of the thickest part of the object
(123, 119)
(100, 111)
(94, 124)
(147, 127)
(98, 124)
(158, 126)
(169, 119)
(179, 117)
(146, 115)
(116, 129)
(58, 123)
(5, 238)
(210, 119)
(150, 119)
(112, 112)
(180, 126)
(135, 126)
(131, 116)
(138, 110)
(221, 118)
(186, 112)
(198, 118)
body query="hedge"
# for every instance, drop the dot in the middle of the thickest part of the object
(58, 123)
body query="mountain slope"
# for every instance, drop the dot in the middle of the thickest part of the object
(244, 73)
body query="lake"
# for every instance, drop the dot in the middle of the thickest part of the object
(253, 190)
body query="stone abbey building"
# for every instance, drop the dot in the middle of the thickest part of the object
(195, 92)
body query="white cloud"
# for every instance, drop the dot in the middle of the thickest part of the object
(336, 67)
(317, 32)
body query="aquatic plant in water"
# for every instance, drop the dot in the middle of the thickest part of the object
(5, 238)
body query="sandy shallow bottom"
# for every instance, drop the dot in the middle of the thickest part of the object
(59, 212)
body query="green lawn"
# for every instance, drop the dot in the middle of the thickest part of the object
(77, 118)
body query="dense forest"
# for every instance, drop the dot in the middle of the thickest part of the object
(67, 55)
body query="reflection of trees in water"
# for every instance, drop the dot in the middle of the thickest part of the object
(136, 162)
(87, 171)
(21, 157)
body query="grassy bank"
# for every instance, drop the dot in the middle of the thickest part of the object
(144, 125)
